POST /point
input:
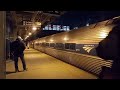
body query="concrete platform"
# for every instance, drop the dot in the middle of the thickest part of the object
(43, 66)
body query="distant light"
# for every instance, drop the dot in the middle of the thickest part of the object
(87, 24)
(30, 33)
(44, 41)
(36, 42)
(66, 38)
(51, 40)
(34, 28)
(38, 23)
(75, 27)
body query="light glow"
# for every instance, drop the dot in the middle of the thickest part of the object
(34, 28)
(38, 23)
(103, 35)
(51, 40)
(66, 38)
(30, 33)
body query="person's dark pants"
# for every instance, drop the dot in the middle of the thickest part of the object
(16, 61)
(116, 69)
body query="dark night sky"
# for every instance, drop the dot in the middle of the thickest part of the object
(80, 18)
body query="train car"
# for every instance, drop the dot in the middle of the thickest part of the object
(77, 47)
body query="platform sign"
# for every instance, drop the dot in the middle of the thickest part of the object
(27, 23)
(38, 24)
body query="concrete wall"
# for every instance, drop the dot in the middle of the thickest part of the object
(2, 44)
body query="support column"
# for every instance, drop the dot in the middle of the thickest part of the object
(2, 44)
(15, 33)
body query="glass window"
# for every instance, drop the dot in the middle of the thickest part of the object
(50, 28)
(72, 46)
(54, 27)
(52, 44)
(46, 27)
(37, 44)
(68, 28)
(61, 28)
(67, 45)
(58, 27)
(64, 28)
(47, 44)
(40, 44)
(59, 46)
(43, 44)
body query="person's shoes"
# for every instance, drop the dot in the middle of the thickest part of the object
(17, 71)
(25, 69)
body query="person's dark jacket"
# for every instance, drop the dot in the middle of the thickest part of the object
(17, 47)
(109, 48)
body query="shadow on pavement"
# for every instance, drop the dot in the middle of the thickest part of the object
(10, 72)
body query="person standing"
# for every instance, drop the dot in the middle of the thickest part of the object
(109, 49)
(28, 46)
(18, 48)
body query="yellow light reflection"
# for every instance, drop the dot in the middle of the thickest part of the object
(36, 42)
(66, 38)
(103, 35)
(51, 40)
(30, 33)
(38, 23)
(34, 28)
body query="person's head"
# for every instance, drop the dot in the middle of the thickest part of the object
(18, 39)
(115, 30)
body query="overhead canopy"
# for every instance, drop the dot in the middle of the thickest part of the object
(25, 20)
